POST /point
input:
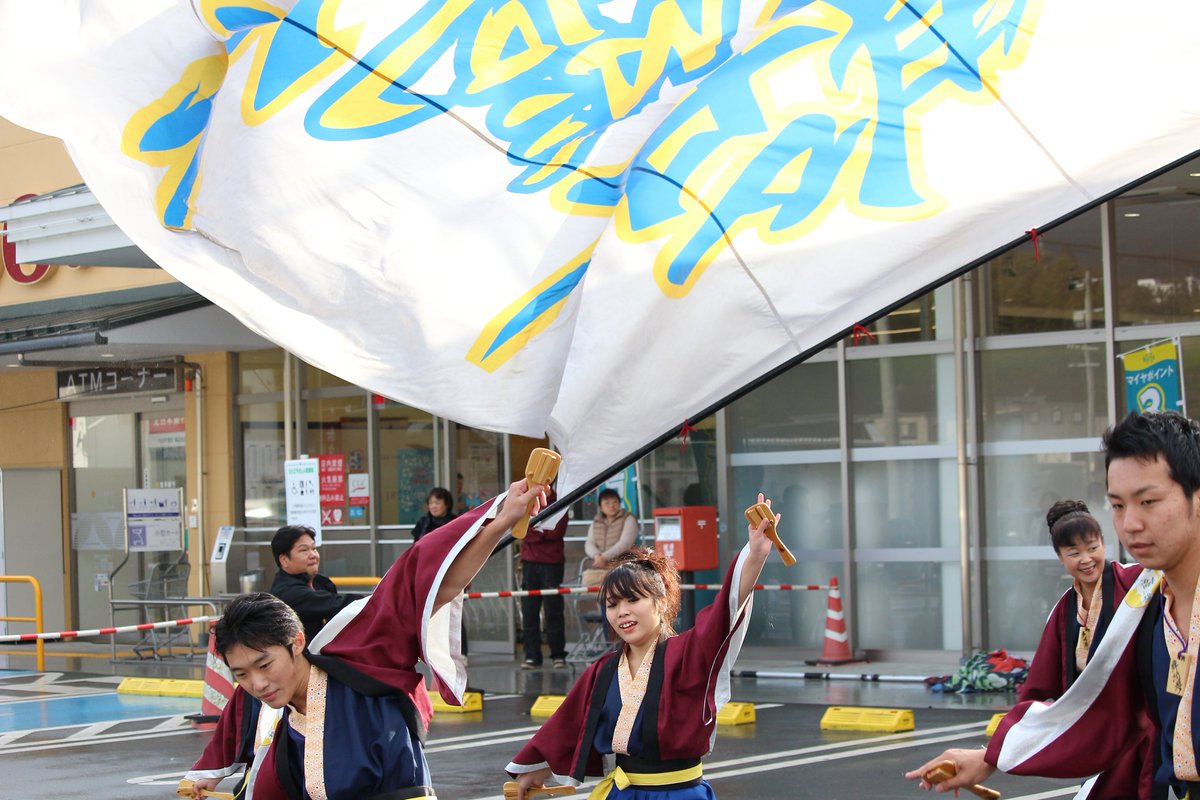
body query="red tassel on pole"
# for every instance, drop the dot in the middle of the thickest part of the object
(683, 434)
(1033, 237)
(858, 332)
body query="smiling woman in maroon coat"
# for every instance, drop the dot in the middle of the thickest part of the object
(1075, 628)
(652, 700)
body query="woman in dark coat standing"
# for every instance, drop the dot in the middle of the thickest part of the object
(439, 506)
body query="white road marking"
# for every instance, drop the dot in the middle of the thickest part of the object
(96, 734)
(475, 737)
(74, 694)
(91, 731)
(95, 679)
(158, 717)
(47, 677)
(714, 770)
(173, 723)
(161, 779)
(117, 737)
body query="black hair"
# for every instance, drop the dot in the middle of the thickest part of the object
(285, 539)
(443, 495)
(608, 492)
(256, 621)
(1071, 523)
(1147, 435)
(639, 573)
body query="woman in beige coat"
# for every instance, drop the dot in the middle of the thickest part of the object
(613, 532)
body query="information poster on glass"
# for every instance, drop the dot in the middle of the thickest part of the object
(1154, 377)
(302, 482)
(154, 520)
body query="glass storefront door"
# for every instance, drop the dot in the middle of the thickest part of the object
(481, 472)
(111, 452)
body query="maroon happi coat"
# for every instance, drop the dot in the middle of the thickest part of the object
(689, 682)
(371, 646)
(1103, 716)
(1054, 670)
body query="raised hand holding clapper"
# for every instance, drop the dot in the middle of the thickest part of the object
(756, 514)
(541, 469)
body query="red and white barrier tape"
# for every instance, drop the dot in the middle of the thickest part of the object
(145, 626)
(31, 637)
(775, 587)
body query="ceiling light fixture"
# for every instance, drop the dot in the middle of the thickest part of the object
(1132, 214)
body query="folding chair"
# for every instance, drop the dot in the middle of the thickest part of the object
(592, 641)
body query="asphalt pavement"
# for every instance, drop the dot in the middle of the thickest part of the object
(69, 734)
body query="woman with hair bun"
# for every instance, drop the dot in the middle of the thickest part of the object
(651, 700)
(1074, 630)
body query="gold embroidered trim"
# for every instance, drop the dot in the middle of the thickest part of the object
(1087, 622)
(314, 738)
(1182, 672)
(633, 692)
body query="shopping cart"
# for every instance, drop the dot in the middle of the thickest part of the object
(167, 581)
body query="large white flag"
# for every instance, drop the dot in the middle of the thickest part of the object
(591, 219)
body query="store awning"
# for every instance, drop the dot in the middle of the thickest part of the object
(69, 227)
(122, 326)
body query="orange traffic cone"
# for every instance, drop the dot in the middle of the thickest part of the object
(837, 639)
(218, 688)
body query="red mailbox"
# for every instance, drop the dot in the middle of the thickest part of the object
(688, 534)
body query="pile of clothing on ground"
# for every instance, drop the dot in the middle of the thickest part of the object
(996, 671)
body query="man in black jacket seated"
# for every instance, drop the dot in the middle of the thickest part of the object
(314, 597)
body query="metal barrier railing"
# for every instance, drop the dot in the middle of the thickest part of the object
(36, 619)
(355, 580)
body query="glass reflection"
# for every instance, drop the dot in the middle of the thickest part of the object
(808, 496)
(336, 434)
(263, 454)
(1056, 285)
(902, 508)
(895, 401)
(798, 410)
(260, 371)
(406, 463)
(1157, 265)
(1055, 392)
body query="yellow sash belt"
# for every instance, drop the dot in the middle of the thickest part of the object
(623, 780)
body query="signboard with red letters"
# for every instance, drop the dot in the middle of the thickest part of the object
(333, 480)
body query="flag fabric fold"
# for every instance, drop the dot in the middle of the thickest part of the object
(590, 219)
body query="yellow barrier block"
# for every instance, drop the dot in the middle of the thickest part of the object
(472, 701)
(163, 687)
(140, 686)
(736, 714)
(182, 688)
(877, 720)
(546, 704)
(991, 728)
